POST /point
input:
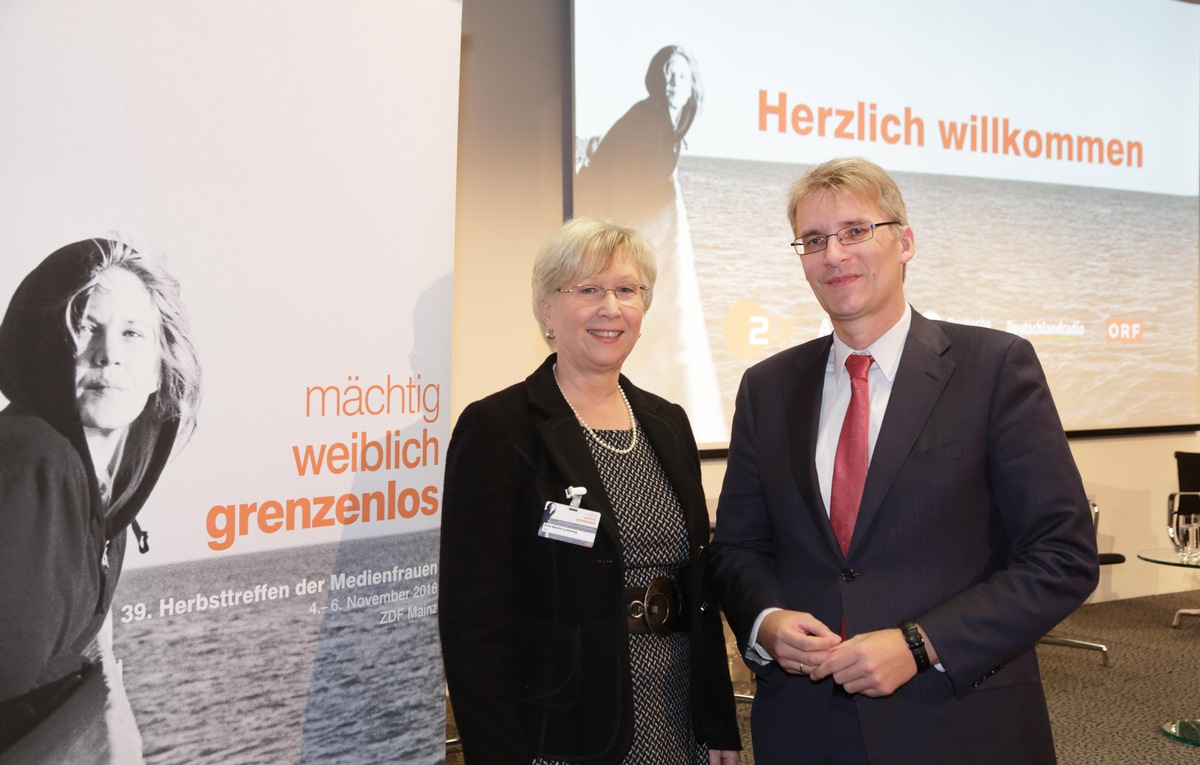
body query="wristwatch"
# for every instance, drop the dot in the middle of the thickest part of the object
(916, 644)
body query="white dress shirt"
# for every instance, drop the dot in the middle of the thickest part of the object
(835, 396)
(835, 400)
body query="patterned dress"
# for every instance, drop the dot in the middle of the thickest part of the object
(654, 541)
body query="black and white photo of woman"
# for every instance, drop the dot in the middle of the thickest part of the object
(103, 383)
(630, 175)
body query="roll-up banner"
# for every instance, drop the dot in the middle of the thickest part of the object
(292, 163)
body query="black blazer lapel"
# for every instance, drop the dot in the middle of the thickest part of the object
(565, 445)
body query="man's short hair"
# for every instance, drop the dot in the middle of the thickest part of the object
(853, 175)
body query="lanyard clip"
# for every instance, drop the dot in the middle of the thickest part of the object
(575, 494)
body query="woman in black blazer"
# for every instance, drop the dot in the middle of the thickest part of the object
(576, 623)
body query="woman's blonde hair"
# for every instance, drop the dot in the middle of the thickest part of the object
(585, 246)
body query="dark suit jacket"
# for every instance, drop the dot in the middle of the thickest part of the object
(533, 630)
(973, 522)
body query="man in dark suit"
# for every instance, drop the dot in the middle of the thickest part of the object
(892, 618)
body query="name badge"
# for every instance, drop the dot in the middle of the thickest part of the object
(573, 525)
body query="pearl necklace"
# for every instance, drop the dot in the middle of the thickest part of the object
(595, 436)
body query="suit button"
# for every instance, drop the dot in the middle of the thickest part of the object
(848, 574)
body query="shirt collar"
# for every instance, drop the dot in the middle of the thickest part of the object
(886, 350)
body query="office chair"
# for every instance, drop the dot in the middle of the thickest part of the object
(1106, 559)
(1186, 501)
(1183, 506)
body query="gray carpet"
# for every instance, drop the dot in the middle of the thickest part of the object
(1115, 714)
(1104, 715)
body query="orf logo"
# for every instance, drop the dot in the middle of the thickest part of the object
(1123, 330)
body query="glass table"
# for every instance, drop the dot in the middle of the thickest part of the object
(1169, 556)
(1187, 731)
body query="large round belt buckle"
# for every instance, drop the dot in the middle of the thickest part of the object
(661, 606)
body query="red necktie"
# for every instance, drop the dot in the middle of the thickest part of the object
(850, 460)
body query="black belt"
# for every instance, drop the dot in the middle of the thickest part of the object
(654, 609)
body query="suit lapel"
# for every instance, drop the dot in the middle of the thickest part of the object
(921, 377)
(802, 407)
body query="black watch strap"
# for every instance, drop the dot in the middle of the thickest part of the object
(916, 644)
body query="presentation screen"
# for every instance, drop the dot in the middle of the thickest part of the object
(1048, 152)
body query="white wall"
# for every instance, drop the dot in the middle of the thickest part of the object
(509, 186)
(509, 202)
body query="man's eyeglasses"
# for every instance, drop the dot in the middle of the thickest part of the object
(859, 232)
(594, 294)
